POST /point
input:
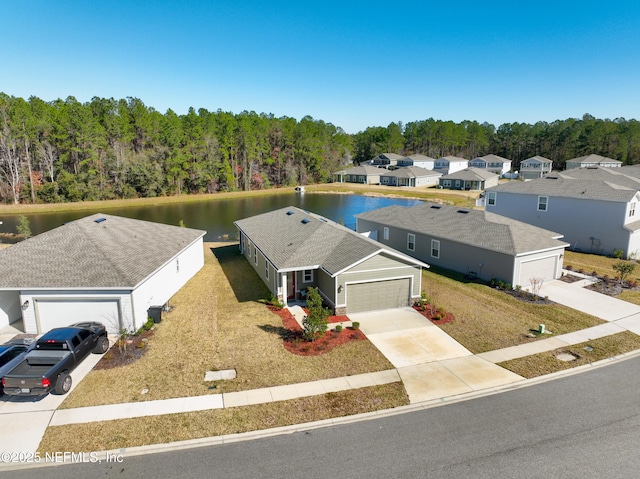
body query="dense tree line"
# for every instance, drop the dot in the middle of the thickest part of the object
(66, 150)
(559, 141)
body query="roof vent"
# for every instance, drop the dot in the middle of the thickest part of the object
(436, 207)
(289, 213)
(100, 220)
(463, 211)
(305, 221)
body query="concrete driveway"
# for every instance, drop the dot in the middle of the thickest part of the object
(431, 363)
(575, 296)
(28, 418)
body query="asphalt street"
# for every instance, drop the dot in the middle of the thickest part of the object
(580, 426)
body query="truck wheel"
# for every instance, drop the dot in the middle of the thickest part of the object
(63, 384)
(102, 346)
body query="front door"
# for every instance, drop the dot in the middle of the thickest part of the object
(291, 285)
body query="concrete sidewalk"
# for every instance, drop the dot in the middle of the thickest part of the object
(430, 364)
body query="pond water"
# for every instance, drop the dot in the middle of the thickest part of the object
(216, 216)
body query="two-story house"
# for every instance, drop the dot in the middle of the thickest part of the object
(535, 167)
(493, 163)
(596, 209)
(450, 164)
(421, 161)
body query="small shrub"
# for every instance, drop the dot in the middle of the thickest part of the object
(338, 328)
(507, 286)
(618, 253)
(149, 324)
(594, 273)
(275, 302)
(568, 267)
(355, 325)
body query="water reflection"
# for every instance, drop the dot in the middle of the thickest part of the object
(216, 216)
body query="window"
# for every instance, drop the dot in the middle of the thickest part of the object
(542, 203)
(385, 233)
(491, 198)
(255, 256)
(177, 265)
(435, 248)
(411, 242)
(361, 179)
(307, 276)
(446, 183)
(266, 269)
(632, 209)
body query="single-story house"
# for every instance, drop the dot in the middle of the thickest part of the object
(493, 163)
(472, 179)
(99, 268)
(590, 161)
(410, 176)
(364, 174)
(418, 160)
(450, 164)
(479, 244)
(292, 249)
(535, 167)
(596, 209)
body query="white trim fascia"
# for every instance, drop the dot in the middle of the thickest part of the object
(556, 248)
(379, 269)
(409, 259)
(299, 268)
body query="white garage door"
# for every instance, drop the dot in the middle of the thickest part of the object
(540, 268)
(58, 313)
(378, 295)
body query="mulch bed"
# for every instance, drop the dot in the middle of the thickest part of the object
(426, 312)
(296, 344)
(135, 349)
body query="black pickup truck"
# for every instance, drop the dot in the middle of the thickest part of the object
(47, 367)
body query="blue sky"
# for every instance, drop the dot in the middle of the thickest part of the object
(351, 63)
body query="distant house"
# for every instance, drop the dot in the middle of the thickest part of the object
(291, 250)
(596, 209)
(100, 268)
(363, 174)
(472, 179)
(450, 164)
(385, 160)
(493, 163)
(590, 161)
(535, 167)
(410, 176)
(420, 161)
(480, 244)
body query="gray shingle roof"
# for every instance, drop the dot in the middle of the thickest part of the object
(364, 170)
(419, 157)
(594, 159)
(491, 158)
(572, 184)
(303, 240)
(470, 174)
(115, 253)
(410, 172)
(537, 158)
(473, 227)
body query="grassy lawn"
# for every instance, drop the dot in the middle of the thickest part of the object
(217, 323)
(177, 427)
(488, 319)
(546, 363)
(602, 265)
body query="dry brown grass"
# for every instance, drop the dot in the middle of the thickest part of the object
(488, 319)
(217, 323)
(588, 263)
(546, 363)
(177, 427)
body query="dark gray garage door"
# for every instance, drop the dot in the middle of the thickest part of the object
(378, 295)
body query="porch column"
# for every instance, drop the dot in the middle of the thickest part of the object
(283, 289)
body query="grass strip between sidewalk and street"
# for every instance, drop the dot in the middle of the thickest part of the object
(596, 350)
(142, 431)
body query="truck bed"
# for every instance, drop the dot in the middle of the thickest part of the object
(37, 363)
